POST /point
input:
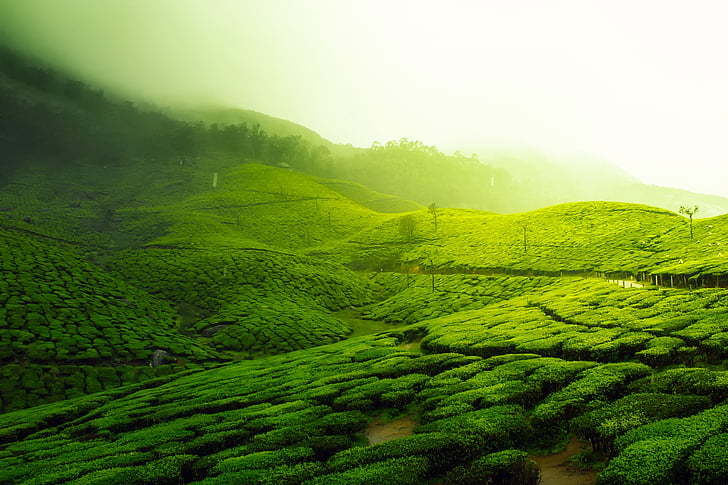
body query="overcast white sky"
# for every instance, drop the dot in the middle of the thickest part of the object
(643, 84)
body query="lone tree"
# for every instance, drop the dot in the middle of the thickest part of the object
(690, 212)
(433, 210)
(407, 226)
(524, 226)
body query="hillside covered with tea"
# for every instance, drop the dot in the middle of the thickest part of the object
(216, 296)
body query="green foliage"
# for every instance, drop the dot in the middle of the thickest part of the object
(647, 462)
(103, 265)
(405, 471)
(259, 302)
(264, 459)
(422, 173)
(706, 382)
(508, 467)
(708, 465)
(597, 383)
(443, 450)
(588, 319)
(656, 452)
(601, 426)
(576, 238)
(90, 126)
(414, 301)
(484, 430)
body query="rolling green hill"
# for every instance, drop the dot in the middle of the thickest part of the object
(314, 330)
(258, 302)
(67, 327)
(272, 206)
(302, 417)
(577, 238)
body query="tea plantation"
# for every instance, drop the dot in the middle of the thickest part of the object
(584, 238)
(67, 327)
(299, 418)
(502, 342)
(594, 319)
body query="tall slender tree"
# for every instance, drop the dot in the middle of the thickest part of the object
(689, 212)
(524, 227)
(433, 210)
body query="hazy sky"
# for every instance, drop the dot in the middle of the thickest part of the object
(643, 84)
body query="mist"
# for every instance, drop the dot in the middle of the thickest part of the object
(638, 85)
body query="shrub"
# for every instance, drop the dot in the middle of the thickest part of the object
(484, 430)
(694, 429)
(602, 426)
(168, 469)
(599, 382)
(508, 467)
(411, 470)
(442, 449)
(708, 465)
(646, 463)
(264, 459)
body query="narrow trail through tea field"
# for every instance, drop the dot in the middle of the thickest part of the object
(380, 430)
(627, 283)
(556, 469)
(361, 326)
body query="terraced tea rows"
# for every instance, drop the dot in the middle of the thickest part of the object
(252, 205)
(593, 319)
(57, 306)
(491, 368)
(60, 313)
(577, 238)
(272, 206)
(298, 418)
(413, 299)
(251, 301)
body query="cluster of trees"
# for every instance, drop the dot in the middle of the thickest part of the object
(422, 173)
(45, 115)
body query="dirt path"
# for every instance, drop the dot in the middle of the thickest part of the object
(413, 346)
(627, 283)
(380, 430)
(556, 469)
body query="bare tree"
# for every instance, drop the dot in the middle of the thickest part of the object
(433, 210)
(407, 226)
(690, 212)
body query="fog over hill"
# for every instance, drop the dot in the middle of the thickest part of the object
(588, 81)
(323, 242)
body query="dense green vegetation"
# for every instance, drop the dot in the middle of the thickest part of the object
(90, 125)
(67, 327)
(297, 418)
(593, 319)
(185, 303)
(588, 238)
(248, 300)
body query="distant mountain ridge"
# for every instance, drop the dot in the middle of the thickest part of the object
(532, 179)
(91, 126)
(556, 181)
